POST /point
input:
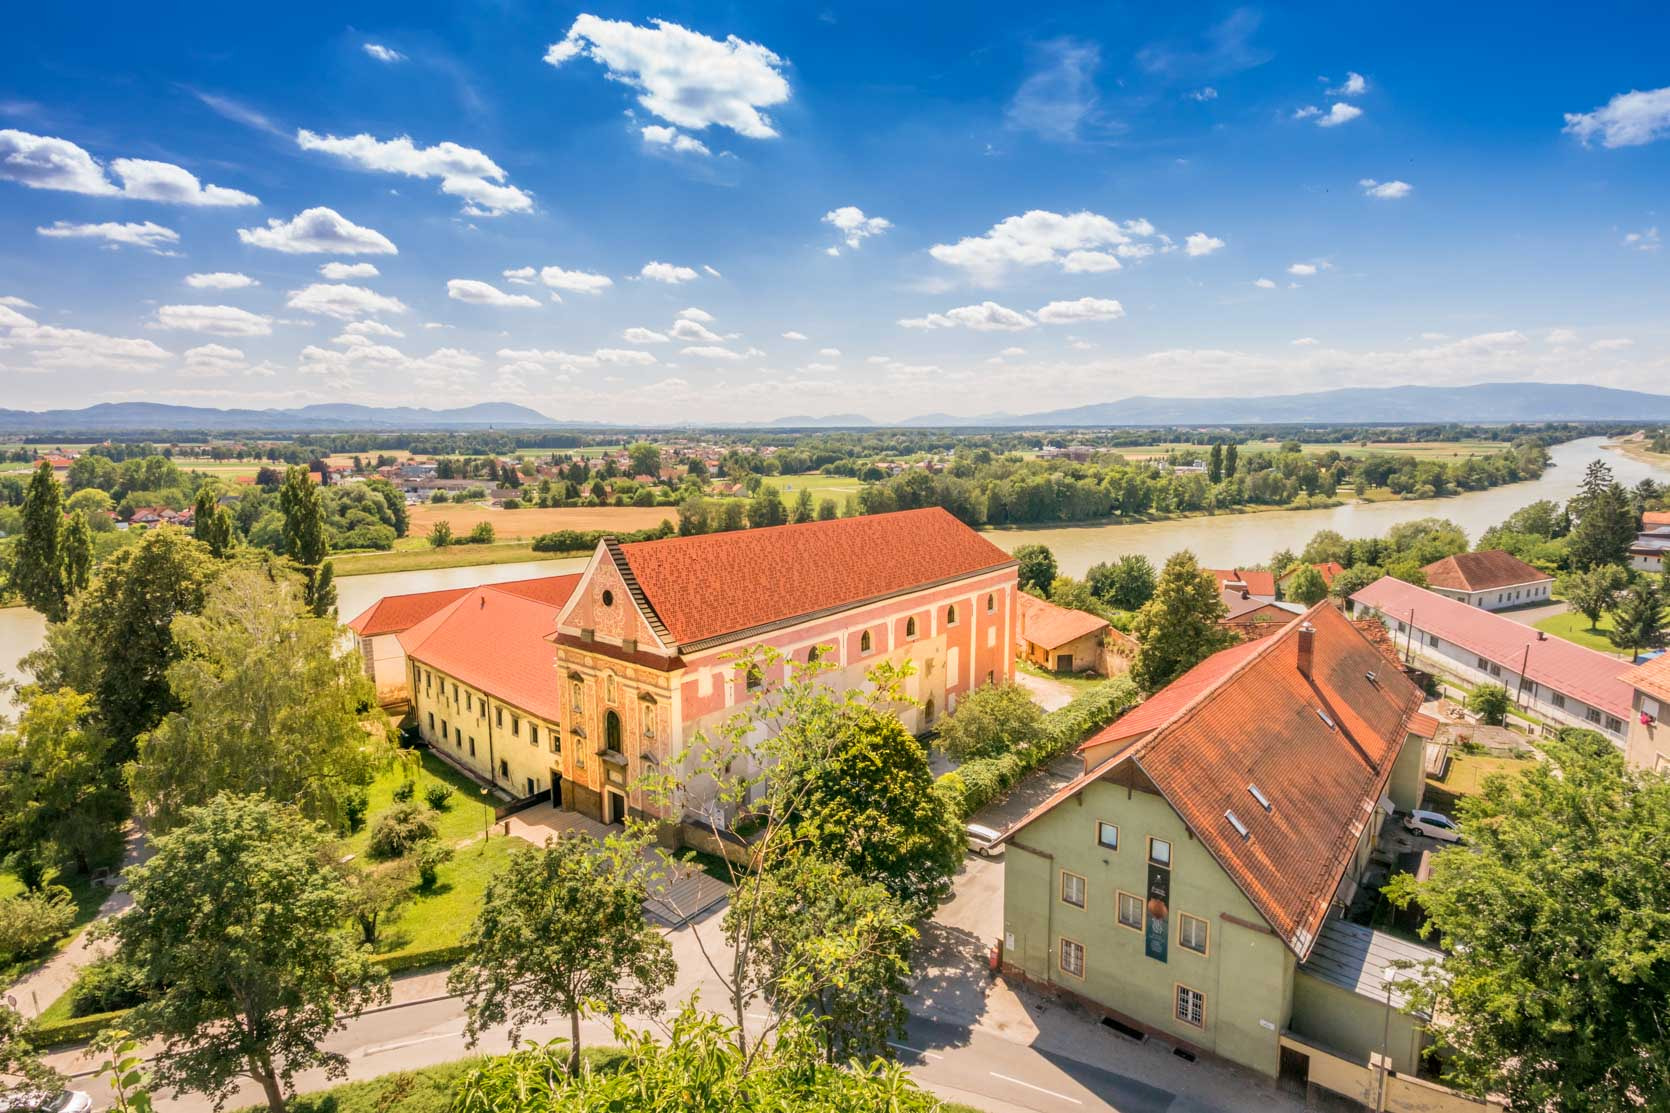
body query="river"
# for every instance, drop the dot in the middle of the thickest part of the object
(1220, 541)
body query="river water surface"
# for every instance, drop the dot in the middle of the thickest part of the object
(1220, 541)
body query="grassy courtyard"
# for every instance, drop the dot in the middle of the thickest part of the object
(1466, 777)
(1575, 628)
(87, 896)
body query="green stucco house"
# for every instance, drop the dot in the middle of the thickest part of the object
(1188, 882)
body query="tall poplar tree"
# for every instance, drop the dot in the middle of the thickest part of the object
(211, 524)
(37, 565)
(1605, 520)
(304, 538)
(75, 555)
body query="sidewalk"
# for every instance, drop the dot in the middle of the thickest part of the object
(39, 988)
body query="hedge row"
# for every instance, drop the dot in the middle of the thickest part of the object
(585, 540)
(401, 961)
(974, 784)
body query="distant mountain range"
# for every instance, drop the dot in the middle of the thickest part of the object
(1485, 402)
(111, 417)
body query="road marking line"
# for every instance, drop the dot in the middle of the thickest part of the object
(914, 1050)
(380, 1048)
(1030, 1086)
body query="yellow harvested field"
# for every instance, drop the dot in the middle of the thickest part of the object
(510, 524)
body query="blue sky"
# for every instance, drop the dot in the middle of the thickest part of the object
(754, 211)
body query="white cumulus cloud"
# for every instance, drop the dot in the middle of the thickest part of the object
(371, 328)
(382, 53)
(1627, 120)
(854, 226)
(575, 282)
(674, 140)
(522, 276)
(687, 329)
(336, 272)
(988, 316)
(152, 237)
(464, 172)
(1084, 309)
(1265, 283)
(47, 162)
(1199, 243)
(793, 335)
(1646, 240)
(220, 280)
(343, 302)
(1302, 270)
(683, 76)
(1039, 237)
(693, 313)
(667, 272)
(215, 320)
(473, 292)
(1354, 85)
(1386, 191)
(640, 335)
(318, 231)
(1340, 113)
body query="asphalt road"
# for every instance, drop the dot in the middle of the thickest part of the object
(956, 1061)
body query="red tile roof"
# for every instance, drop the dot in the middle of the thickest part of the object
(394, 613)
(1256, 720)
(1045, 624)
(1328, 568)
(1159, 708)
(1241, 606)
(1565, 667)
(1258, 583)
(1482, 571)
(1423, 725)
(496, 641)
(705, 587)
(1651, 518)
(1653, 677)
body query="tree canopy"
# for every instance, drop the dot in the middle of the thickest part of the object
(1037, 567)
(991, 720)
(58, 788)
(1180, 626)
(1604, 520)
(1555, 982)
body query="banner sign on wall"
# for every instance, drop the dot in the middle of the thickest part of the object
(1159, 911)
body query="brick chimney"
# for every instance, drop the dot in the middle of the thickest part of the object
(1307, 648)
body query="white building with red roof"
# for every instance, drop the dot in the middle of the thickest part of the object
(1558, 680)
(1492, 580)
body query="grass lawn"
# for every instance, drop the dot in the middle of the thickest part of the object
(442, 916)
(87, 897)
(1575, 628)
(464, 818)
(1466, 777)
(836, 487)
(1078, 681)
(453, 556)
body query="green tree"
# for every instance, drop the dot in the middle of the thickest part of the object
(1325, 545)
(1638, 619)
(1125, 584)
(1230, 461)
(440, 534)
(1423, 541)
(837, 950)
(803, 510)
(1181, 625)
(730, 516)
(76, 555)
(211, 523)
(303, 507)
(992, 720)
(1354, 579)
(1305, 586)
(868, 803)
(1215, 464)
(1604, 520)
(827, 510)
(119, 642)
(21, 1067)
(266, 704)
(1037, 567)
(1491, 703)
(1075, 595)
(376, 894)
(766, 508)
(1552, 991)
(58, 786)
(253, 968)
(561, 929)
(1593, 592)
(646, 459)
(37, 568)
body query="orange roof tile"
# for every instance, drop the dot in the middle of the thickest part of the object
(1651, 518)
(1424, 725)
(1158, 708)
(1258, 582)
(1482, 571)
(1652, 677)
(706, 587)
(496, 640)
(394, 613)
(1045, 624)
(1255, 719)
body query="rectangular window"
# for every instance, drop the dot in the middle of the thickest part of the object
(1559, 700)
(1072, 889)
(443, 729)
(1107, 836)
(1130, 911)
(1072, 958)
(530, 786)
(1614, 725)
(498, 716)
(515, 727)
(1159, 851)
(1191, 933)
(754, 678)
(431, 722)
(472, 745)
(1191, 1006)
(1495, 670)
(1432, 640)
(1483, 664)
(469, 701)
(533, 734)
(1592, 715)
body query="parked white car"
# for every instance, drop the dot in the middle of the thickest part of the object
(982, 840)
(1434, 825)
(41, 1101)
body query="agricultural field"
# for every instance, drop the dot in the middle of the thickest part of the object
(1427, 450)
(526, 524)
(836, 487)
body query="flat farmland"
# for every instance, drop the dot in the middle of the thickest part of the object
(1425, 450)
(836, 487)
(533, 521)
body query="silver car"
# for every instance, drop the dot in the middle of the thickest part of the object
(982, 840)
(1434, 825)
(42, 1101)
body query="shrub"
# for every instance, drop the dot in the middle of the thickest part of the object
(32, 922)
(482, 534)
(512, 504)
(400, 830)
(1490, 702)
(992, 720)
(354, 807)
(439, 795)
(403, 791)
(432, 854)
(105, 986)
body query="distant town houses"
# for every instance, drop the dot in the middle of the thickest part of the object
(1554, 679)
(1490, 579)
(1193, 880)
(617, 669)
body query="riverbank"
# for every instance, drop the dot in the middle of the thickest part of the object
(450, 556)
(1638, 450)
